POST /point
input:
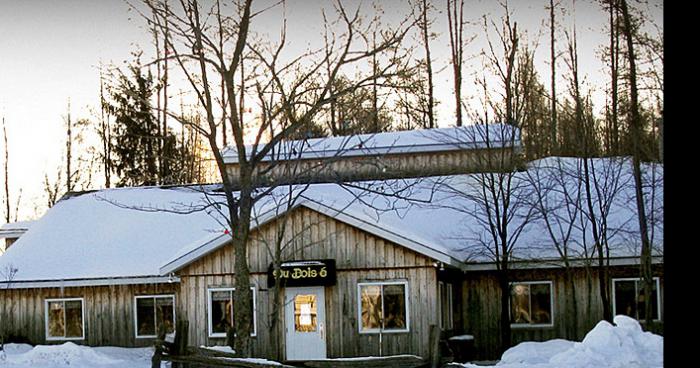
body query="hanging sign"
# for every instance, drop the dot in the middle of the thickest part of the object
(303, 273)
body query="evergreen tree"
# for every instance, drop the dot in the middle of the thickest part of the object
(137, 140)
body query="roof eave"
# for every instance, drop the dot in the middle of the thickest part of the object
(556, 263)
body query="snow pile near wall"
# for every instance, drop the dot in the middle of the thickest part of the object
(623, 345)
(534, 353)
(72, 355)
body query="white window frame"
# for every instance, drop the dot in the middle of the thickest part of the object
(136, 315)
(551, 305)
(636, 292)
(210, 326)
(382, 283)
(449, 324)
(46, 318)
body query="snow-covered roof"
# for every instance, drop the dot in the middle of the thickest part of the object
(409, 141)
(151, 232)
(15, 229)
(113, 233)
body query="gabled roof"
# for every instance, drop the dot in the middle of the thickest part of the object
(330, 205)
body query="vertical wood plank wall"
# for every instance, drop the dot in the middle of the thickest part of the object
(481, 306)
(108, 310)
(359, 257)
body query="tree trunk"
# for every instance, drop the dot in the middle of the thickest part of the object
(455, 21)
(636, 129)
(7, 173)
(504, 285)
(429, 66)
(69, 141)
(553, 127)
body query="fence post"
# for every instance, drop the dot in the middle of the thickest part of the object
(434, 346)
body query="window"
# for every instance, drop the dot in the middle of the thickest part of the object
(154, 312)
(221, 311)
(65, 319)
(531, 304)
(628, 298)
(446, 311)
(383, 307)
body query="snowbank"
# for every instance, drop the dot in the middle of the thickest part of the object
(623, 345)
(72, 355)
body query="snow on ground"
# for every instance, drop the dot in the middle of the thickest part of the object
(622, 345)
(75, 356)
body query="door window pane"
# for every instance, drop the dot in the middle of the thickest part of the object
(305, 313)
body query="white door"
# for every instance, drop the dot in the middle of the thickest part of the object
(305, 322)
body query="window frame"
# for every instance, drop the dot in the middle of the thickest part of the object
(382, 284)
(551, 305)
(636, 292)
(136, 315)
(46, 318)
(210, 325)
(449, 324)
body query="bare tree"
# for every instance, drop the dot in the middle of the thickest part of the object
(104, 131)
(636, 128)
(455, 20)
(495, 202)
(613, 144)
(52, 190)
(600, 189)
(296, 92)
(553, 64)
(424, 25)
(69, 150)
(556, 197)
(7, 172)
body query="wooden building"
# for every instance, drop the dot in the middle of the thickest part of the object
(363, 273)
(9, 233)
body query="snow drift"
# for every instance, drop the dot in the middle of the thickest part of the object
(72, 355)
(622, 345)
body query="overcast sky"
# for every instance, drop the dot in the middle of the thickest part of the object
(50, 51)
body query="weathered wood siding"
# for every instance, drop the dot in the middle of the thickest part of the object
(388, 166)
(359, 257)
(481, 306)
(108, 310)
